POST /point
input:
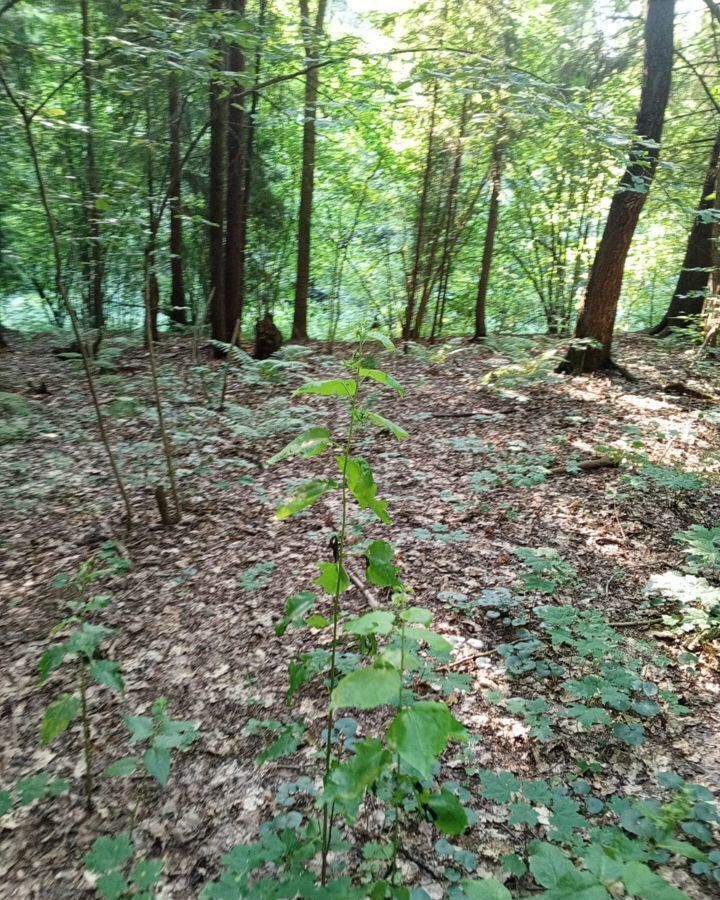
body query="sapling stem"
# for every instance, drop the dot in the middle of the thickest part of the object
(87, 739)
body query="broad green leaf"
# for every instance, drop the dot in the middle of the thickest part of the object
(380, 621)
(31, 788)
(305, 495)
(107, 672)
(296, 608)
(642, 882)
(58, 715)
(121, 768)
(348, 782)
(87, 639)
(345, 387)
(380, 569)
(287, 742)
(140, 727)
(488, 889)
(176, 734)
(332, 578)
(417, 615)
(421, 732)
(146, 872)
(5, 802)
(109, 852)
(603, 866)
(381, 338)
(308, 444)
(447, 812)
(111, 886)
(683, 848)
(436, 642)
(367, 688)
(549, 865)
(362, 485)
(396, 430)
(383, 378)
(51, 659)
(157, 763)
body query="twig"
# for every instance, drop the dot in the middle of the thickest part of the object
(641, 623)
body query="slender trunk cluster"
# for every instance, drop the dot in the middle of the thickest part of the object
(489, 243)
(178, 312)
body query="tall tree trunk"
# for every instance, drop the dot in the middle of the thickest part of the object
(151, 288)
(597, 317)
(235, 204)
(414, 277)
(216, 193)
(95, 304)
(312, 34)
(178, 312)
(489, 245)
(689, 295)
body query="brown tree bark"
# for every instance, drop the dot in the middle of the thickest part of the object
(496, 161)
(689, 295)
(94, 271)
(178, 313)
(235, 204)
(597, 317)
(312, 35)
(414, 277)
(216, 192)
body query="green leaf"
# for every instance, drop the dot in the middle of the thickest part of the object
(107, 672)
(522, 814)
(296, 608)
(157, 763)
(287, 742)
(421, 732)
(488, 889)
(305, 495)
(367, 689)
(31, 788)
(333, 578)
(603, 866)
(380, 621)
(380, 569)
(51, 659)
(111, 886)
(121, 768)
(383, 378)
(146, 872)
(308, 444)
(5, 802)
(513, 864)
(634, 735)
(346, 387)
(417, 614)
(87, 639)
(683, 848)
(549, 865)
(641, 881)
(109, 852)
(141, 728)
(447, 812)
(386, 425)
(381, 338)
(58, 716)
(348, 782)
(359, 477)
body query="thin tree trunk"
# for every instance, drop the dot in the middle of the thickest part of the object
(312, 35)
(235, 204)
(687, 300)
(95, 303)
(489, 245)
(151, 289)
(178, 312)
(216, 193)
(597, 317)
(421, 221)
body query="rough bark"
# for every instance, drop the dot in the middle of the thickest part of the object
(597, 317)
(489, 244)
(235, 204)
(94, 272)
(689, 295)
(178, 313)
(312, 34)
(216, 194)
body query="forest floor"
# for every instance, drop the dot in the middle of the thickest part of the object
(489, 467)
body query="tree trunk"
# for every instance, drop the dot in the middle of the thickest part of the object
(414, 277)
(235, 204)
(95, 303)
(687, 300)
(597, 317)
(178, 313)
(311, 37)
(489, 245)
(216, 194)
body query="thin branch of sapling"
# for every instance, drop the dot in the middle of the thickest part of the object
(165, 438)
(62, 294)
(87, 738)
